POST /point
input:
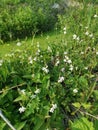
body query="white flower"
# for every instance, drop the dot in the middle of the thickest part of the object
(1, 61)
(87, 33)
(69, 61)
(78, 38)
(61, 79)
(75, 90)
(97, 53)
(86, 27)
(37, 91)
(65, 60)
(66, 57)
(65, 53)
(82, 53)
(32, 75)
(86, 68)
(91, 35)
(45, 70)
(63, 69)
(33, 96)
(18, 43)
(22, 109)
(64, 32)
(95, 16)
(35, 59)
(71, 67)
(30, 62)
(64, 28)
(54, 106)
(49, 49)
(56, 6)
(74, 36)
(57, 63)
(23, 91)
(51, 110)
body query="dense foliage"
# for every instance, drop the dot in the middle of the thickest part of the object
(21, 18)
(55, 88)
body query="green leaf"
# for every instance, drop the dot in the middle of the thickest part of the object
(83, 82)
(77, 104)
(38, 122)
(2, 124)
(82, 124)
(86, 106)
(96, 124)
(19, 126)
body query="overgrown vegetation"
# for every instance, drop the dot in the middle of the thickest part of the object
(56, 87)
(19, 19)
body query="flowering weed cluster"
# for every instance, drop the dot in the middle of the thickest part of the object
(49, 89)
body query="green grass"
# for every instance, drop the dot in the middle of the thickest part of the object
(43, 40)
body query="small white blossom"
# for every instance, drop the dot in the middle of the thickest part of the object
(65, 60)
(95, 16)
(49, 49)
(61, 79)
(63, 69)
(18, 43)
(91, 35)
(23, 91)
(86, 68)
(45, 69)
(86, 27)
(22, 109)
(87, 33)
(71, 67)
(33, 96)
(97, 53)
(78, 38)
(64, 28)
(56, 6)
(65, 53)
(75, 90)
(37, 91)
(82, 53)
(64, 32)
(66, 57)
(57, 63)
(54, 106)
(30, 62)
(35, 59)
(74, 36)
(1, 62)
(69, 61)
(32, 75)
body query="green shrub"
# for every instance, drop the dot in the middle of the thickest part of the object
(24, 18)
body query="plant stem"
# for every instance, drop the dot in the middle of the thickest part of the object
(6, 120)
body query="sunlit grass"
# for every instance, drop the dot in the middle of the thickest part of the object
(44, 40)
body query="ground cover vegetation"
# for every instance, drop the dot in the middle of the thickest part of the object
(55, 88)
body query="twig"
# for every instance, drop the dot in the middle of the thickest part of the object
(86, 113)
(13, 87)
(7, 121)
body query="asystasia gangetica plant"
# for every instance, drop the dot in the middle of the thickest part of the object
(48, 89)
